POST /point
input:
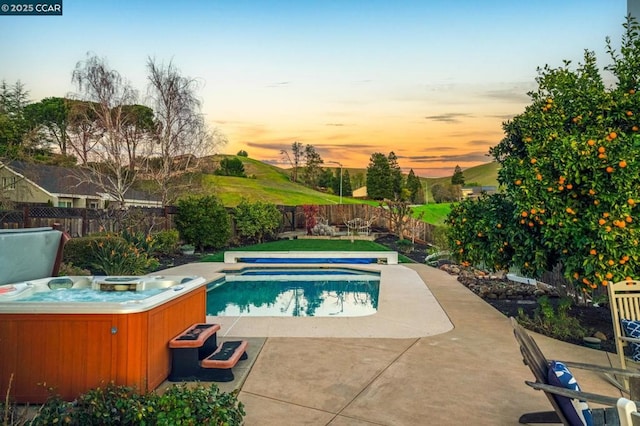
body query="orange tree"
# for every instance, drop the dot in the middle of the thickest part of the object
(571, 168)
(479, 231)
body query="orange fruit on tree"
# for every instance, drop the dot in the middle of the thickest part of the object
(593, 252)
(609, 169)
(631, 201)
(613, 135)
(596, 202)
(609, 275)
(533, 161)
(611, 262)
(632, 91)
(602, 156)
(518, 182)
(539, 176)
(602, 222)
(601, 150)
(622, 164)
(591, 142)
(629, 113)
(629, 219)
(605, 214)
(569, 186)
(524, 214)
(592, 192)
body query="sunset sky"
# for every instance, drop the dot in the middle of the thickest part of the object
(431, 80)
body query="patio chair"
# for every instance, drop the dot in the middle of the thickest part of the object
(628, 412)
(555, 380)
(624, 302)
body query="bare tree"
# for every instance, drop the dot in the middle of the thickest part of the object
(108, 93)
(83, 132)
(181, 134)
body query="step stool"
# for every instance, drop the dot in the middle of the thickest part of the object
(196, 355)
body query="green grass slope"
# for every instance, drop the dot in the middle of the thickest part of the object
(484, 175)
(266, 183)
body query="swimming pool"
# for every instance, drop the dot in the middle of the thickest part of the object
(294, 292)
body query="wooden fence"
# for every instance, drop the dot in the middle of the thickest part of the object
(81, 222)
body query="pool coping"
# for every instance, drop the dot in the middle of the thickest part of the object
(406, 309)
(388, 257)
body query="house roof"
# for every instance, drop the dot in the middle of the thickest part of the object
(68, 181)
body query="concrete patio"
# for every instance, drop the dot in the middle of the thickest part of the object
(470, 375)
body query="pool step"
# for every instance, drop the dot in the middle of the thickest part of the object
(197, 356)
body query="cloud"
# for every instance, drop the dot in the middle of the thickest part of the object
(335, 124)
(515, 94)
(452, 117)
(481, 142)
(477, 156)
(502, 117)
(279, 84)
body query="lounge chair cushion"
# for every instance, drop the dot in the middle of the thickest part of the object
(577, 412)
(632, 329)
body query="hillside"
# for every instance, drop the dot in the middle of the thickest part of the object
(484, 175)
(272, 184)
(266, 183)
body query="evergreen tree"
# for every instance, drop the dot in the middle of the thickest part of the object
(231, 167)
(416, 195)
(458, 176)
(347, 189)
(326, 180)
(312, 169)
(395, 175)
(379, 184)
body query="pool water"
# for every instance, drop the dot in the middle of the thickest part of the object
(89, 295)
(295, 293)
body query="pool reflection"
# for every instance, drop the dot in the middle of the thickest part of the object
(294, 298)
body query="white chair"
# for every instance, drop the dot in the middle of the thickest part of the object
(628, 412)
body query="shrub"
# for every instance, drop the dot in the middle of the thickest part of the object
(557, 324)
(141, 240)
(79, 251)
(115, 256)
(405, 246)
(257, 221)
(203, 222)
(122, 405)
(69, 269)
(166, 242)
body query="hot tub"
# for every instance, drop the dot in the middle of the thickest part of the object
(72, 346)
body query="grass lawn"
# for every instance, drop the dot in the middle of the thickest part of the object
(309, 245)
(434, 214)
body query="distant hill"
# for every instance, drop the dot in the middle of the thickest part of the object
(272, 184)
(484, 175)
(265, 183)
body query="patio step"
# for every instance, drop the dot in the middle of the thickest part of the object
(196, 355)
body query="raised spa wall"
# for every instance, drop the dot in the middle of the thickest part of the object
(75, 352)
